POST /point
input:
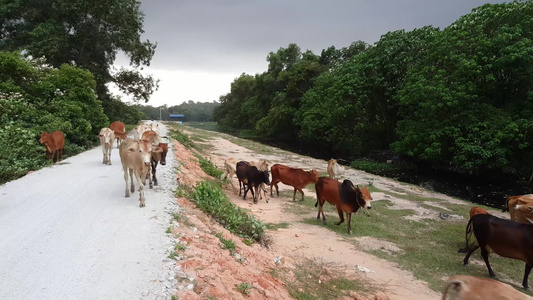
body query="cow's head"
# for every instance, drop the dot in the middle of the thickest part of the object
(106, 136)
(314, 175)
(332, 161)
(161, 156)
(264, 177)
(526, 211)
(364, 194)
(44, 137)
(146, 149)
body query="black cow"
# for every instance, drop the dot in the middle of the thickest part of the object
(158, 157)
(241, 168)
(506, 238)
(254, 178)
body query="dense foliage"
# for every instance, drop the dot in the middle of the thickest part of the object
(36, 98)
(192, 111)
(459, 98)
(86, 34)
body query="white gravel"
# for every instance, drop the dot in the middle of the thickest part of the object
(68, 232)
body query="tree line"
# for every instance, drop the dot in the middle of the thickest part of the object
(56, 65)
(192, 111)
(460, 98)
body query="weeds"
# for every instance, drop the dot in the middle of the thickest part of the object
(244, 288)
(208, 167)
(226, 244)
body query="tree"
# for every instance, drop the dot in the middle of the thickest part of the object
(86, 34)
(469, 103)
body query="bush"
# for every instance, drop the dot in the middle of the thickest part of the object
(209, 168)
(212, 200)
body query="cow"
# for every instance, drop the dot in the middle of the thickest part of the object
(135, 156)
(54, 143)
(120, 131)
(107, 137)
(154, 127)
(151, 136)
(296, 178)
(139, 130)
(506, 238)
(475, 210)
(254, 179)
(159, 157)
(240, 171)
(521, 215)
(334, 169)
(462, 287)
(345, 196)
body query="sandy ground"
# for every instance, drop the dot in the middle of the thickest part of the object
(68, 232)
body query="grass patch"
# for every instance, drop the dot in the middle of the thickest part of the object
(276, 226)
(208, 167)
(211, 199)
(182, 138)
(309, 281)
(226, 244)
(244, 288)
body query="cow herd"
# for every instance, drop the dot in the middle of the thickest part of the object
(254, 175)
(138, 156)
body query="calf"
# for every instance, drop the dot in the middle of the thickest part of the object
(506, 238)
(255, 178)
(344, 196)
(54, 143)
(462, 287)
(120, 131)
(334, 169)
(159, 157)
(107, 137)
(296, 178)
(135, 157)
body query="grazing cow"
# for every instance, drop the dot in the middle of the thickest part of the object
(107, 137)
(463, 287)
(518, 210)
(120, 131)
(345, 196)
(254, 178)
(159, 157)
(135, 157)
(506, 238)
(475, 210)
(296, 178)
(54, 143)
(334, 169)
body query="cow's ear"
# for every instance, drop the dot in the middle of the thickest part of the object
(157, 150)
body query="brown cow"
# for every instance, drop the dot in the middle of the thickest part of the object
(135, 156)
(506, 238)
(54, 143)
(345, 196)
(120, 131)
(296, 178)
(159, 157)
(522, 214)
(107, 137)
(462, 287)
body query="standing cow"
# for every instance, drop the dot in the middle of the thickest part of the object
(296, 178)
(135, 156)
(54, 143)
(345, 196)
(159, 157)
(120, 131)
(107, 137)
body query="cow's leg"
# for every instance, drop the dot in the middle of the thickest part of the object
(239, 187)
(341, 216)
(274, 184)
(126, 180)
(301, 191)
(138, 176)
(321, 210)
(485, 255)
(246, 190)
(349, 217)
(132, 188)
(61, 154)
(109, 150)
(526, 275)
(254, 195)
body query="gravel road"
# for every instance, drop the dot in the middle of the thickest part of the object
(68, 232)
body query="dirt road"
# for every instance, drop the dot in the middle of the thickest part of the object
(68, 232)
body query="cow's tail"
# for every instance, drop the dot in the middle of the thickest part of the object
(468, 234)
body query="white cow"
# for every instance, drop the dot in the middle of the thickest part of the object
(107, 137)
(334, 169)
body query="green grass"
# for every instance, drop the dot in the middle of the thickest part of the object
(226, 244)
(208, 167)
(244, 288)
(276, 226)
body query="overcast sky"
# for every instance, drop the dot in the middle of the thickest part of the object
(203, 45)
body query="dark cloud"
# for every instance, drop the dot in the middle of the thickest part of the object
(236, 36)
